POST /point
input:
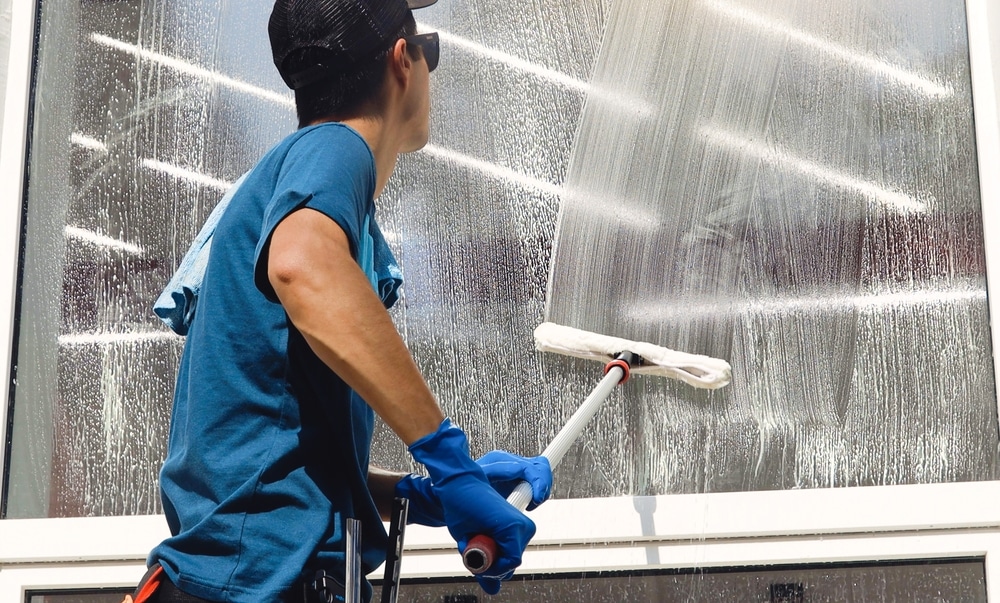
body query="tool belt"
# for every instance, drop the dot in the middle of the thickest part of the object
(324, 588)
(147, 586)
(155, 587)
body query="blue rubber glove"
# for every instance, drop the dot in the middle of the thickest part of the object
(471, 505)
(425, 508)
(504, 471)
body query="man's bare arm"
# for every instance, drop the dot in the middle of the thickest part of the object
(331, 302)
(382, 485)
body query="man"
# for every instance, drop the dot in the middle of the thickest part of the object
(292, 351)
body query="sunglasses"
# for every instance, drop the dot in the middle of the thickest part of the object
(430, 45)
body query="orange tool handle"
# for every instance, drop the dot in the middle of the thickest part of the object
(479, 554)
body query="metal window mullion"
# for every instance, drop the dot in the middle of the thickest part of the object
(13, 166)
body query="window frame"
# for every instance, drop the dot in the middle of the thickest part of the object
(742, 529)
(984, 59)
(13, 169)
(730, 530)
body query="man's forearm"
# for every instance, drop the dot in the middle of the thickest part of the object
(331, 302)
(382, 485)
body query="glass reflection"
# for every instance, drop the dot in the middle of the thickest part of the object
(951, 580)
(955, 580)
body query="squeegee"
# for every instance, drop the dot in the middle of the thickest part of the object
(622, 358)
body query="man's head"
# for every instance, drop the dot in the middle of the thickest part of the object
(333, 52)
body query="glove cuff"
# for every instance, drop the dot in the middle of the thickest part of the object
(445, 453)
(425, 507)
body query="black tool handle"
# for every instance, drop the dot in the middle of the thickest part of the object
(397, 527)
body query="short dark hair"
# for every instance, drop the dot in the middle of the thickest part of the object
(344, 94)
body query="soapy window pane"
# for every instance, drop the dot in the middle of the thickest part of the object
(790, 186)
(145, 111)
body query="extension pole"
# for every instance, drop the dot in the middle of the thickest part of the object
(481, 550)
(352, 559)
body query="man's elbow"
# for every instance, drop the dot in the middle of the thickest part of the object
(286, 271)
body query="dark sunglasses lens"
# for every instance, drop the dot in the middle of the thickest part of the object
(430, 47)
(432, 51)
(430, 44)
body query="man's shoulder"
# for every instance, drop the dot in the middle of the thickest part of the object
(326, 144)
(329, 136)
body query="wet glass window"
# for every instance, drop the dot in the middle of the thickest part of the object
(945, 580)
(794, 188)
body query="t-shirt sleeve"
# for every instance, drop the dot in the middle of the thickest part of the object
(329, 171)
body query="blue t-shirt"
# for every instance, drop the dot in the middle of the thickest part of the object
(268, 450)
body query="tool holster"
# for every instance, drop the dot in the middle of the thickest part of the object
(324, 588)
(147, 586)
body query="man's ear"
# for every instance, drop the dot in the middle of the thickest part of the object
(400, 62)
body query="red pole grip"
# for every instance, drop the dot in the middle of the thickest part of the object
(479, 554)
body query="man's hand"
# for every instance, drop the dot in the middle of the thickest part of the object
(503, 470)
(469, 503)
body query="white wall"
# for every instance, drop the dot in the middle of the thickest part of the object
(984, 44)
(994, 19)
(4, 47)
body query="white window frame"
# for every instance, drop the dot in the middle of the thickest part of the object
(732, 530)
(13, 136)
(743, 529)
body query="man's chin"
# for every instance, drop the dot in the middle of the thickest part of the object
(415, 146)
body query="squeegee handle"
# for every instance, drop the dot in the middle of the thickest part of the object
(481, 551)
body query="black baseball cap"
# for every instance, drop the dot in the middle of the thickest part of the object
(348, 31)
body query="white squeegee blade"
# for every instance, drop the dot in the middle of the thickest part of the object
(696, 370)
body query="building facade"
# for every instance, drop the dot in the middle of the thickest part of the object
(809, 191)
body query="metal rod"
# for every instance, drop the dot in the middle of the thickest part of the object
(352, 560)
(481, 550)
(557, 448)
(394, 556)
(574, 427)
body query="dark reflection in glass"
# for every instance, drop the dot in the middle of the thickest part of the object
(947, 580)
(931, 580)
(102, 596)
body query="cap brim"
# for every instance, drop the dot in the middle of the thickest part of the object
(419, 3)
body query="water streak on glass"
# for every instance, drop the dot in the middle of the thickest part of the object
(801, 200)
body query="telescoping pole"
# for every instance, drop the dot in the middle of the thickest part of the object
(352, 561)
